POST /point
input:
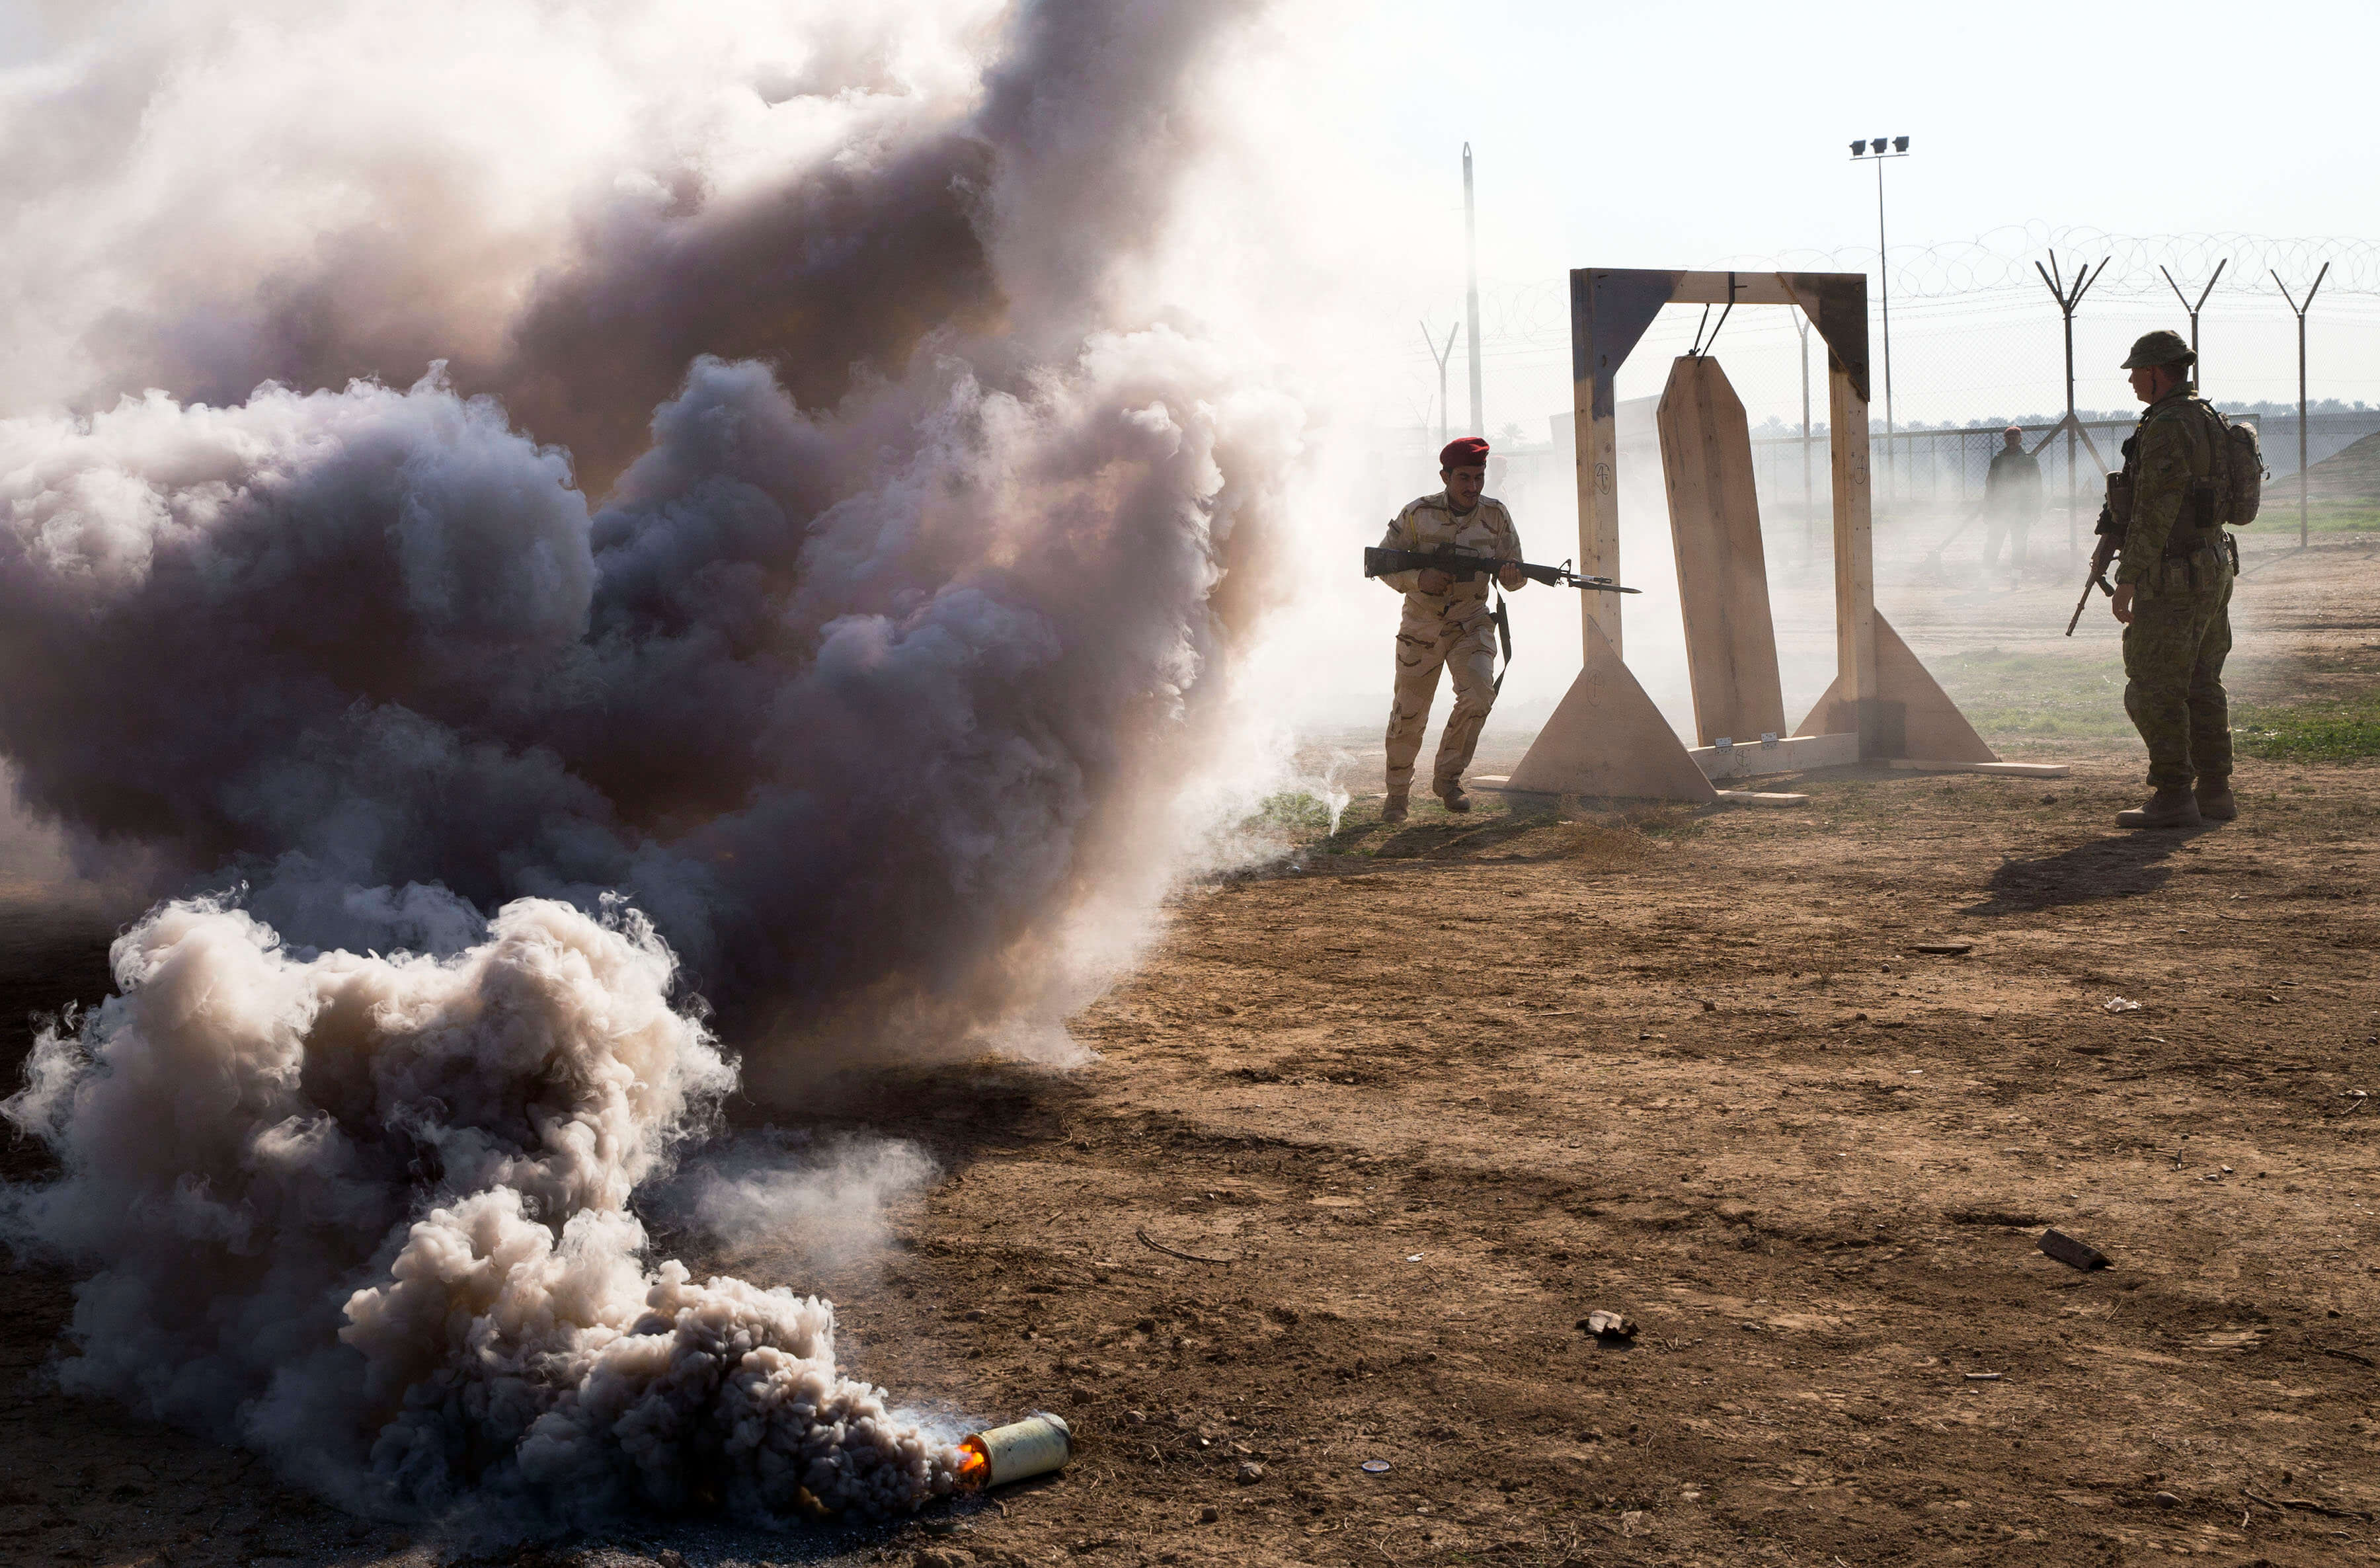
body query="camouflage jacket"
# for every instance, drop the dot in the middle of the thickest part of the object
(2173, 445)
(1429, 524)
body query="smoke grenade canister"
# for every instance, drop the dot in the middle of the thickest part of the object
(1039, 1444)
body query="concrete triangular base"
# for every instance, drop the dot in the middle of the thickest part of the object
(1606, 740)
(1914, 717)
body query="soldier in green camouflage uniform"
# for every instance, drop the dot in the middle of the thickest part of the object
(2173, 593)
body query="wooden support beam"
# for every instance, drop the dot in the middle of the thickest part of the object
(1855, 655)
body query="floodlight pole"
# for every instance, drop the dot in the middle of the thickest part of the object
(2301, 310)
(2195, 363)
(1884, 277)
(1441, 356)
(1883, 299)
(1471, 246)
(2068, 298)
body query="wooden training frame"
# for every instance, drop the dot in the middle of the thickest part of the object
(1607, 737)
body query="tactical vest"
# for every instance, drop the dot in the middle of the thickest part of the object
(2214, 455)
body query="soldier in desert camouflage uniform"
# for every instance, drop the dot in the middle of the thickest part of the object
(2173, 593)
(1446, 623)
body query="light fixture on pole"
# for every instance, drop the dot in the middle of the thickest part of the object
(1874, 149)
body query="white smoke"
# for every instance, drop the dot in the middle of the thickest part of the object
(758, 464)
(827, 1201)
(371, 1215)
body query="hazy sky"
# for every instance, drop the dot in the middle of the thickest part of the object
(1671, 135)
(1675, 135)
(1698, 132)
(1689, 132)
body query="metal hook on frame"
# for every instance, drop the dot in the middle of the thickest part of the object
(1701, 346)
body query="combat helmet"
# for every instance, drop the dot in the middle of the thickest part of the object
(2159, 347)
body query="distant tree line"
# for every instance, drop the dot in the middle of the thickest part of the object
(1774, 428)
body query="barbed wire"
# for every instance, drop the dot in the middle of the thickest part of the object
(2003, 259)
(1987, 273)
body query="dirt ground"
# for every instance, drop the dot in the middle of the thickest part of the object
(1373, 1130)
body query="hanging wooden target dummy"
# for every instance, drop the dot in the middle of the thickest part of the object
(1723, 571)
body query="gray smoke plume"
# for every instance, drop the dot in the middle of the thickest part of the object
(867, 666)
(827, 576)
(371, 1216)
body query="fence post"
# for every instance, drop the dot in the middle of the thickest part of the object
(2067, 300)
(2301, 310)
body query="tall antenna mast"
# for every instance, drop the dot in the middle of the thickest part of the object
(1471, 246)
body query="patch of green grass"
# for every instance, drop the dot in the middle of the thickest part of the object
(1296, 815)
(2278, 515)
(2029, 695)
(2035, 694)
(2337, 730)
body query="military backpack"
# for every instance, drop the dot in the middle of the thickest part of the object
(2229, 493)
(2240, 472)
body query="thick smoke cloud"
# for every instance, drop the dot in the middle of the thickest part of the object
(370, 1216)
(860, 700)
(798, 534)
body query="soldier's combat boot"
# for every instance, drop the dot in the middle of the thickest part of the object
(1453, 797)
(2214, 802)
(1394, 810)
(2167, 808)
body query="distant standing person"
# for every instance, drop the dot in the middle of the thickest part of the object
(2173, 590)
(2011, 501)
(1446, 623)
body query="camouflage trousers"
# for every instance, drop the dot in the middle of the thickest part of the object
(1468, 652)
(2173, 669)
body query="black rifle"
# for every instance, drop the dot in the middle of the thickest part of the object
(1463, 567)
(2100, 557)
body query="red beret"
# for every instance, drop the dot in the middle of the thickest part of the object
(1464, 452)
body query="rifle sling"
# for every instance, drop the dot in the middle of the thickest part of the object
(1504, 636)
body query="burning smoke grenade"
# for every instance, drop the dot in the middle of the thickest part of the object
(868, 691)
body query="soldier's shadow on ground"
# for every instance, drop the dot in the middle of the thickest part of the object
(2120, 867)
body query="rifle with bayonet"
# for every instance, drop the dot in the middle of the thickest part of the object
(2102, 557)
(1464, 567)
